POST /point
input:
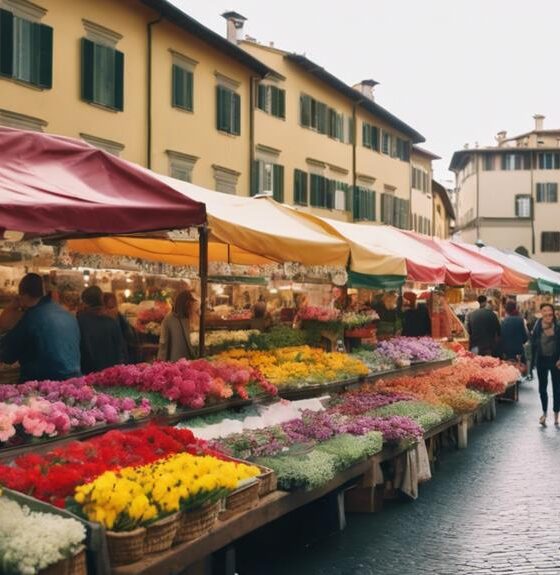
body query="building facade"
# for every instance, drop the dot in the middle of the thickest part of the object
(508, 193)
(143, 80)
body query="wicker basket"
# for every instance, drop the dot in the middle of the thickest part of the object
(126, 547)
(193, 524)
(241, 499)
(9, 374)
(160, 534)
(77, 563)
(60, 568)
(268, 481)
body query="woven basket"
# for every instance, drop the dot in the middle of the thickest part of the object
(126, 547)
(268, 481)
(193, 524)
(160, 534)
(9, 375)
(77, 563)
(60, 568)
(241, 499)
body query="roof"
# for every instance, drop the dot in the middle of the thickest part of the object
(354, 95)
(424, 152)
(459, 158)
(194, 27)
(532, 132)
(446, 200)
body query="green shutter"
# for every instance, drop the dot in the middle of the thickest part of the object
(119, 80)
(305, 110)
(278, 182)
(314, 183)
(177, 87)
(273, 100)
(236, 104)
(365, 135)
(350, 139)
(321, 123)
(375, 138)
(300, 187)
(255, 177)
(373, 198)
(219, 108)
(261, 97)
(223, 115)
(45, 43)
(356, 203)
(189, 88)
(281, 103)
(331, 122)
(87, 69)
(6, 43)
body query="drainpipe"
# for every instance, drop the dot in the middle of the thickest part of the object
(354, 158)
(252, 91)
(149, 93)
(477, 199)
(532, 205)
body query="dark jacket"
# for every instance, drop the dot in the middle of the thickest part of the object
(536, 343)
(514, 335)
(46, 342)
(417, 322)
(101, 342)
(484, 329)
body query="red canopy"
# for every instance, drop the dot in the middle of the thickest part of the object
(51, 185)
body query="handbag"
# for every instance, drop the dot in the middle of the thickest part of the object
(188, 345)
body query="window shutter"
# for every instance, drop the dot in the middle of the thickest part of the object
(273, 100)
(356, 203)
(44, 37)
(236, 103)
(321, 118)
(314, 182)
(6, 43)
(278, 182)
(119, 80)
(300, 187)
(223, 112)
(365, 135)
(255, 180)
(189, 80)
(177, 95)
(261, 97)
(87, 70)
(305, 110)
(281, 103)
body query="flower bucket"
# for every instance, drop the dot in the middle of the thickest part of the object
(242, 499)
(193, 524)
(161, 533)
(126, 546)
(60, 568)
(77, 564)
(268, 481)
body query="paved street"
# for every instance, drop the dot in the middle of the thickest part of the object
(491, 509)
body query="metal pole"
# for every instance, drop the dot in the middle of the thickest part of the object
(203, 275)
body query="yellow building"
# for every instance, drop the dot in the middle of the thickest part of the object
(443, 214)
(508, 193)
(422, 197)
(143, 80)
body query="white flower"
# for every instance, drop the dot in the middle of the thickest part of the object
(31, 540)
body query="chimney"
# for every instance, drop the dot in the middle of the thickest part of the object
(235, 22)
(539, 119)
(366, 87)
(500, 137)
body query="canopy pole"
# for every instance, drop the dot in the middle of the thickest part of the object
(203, 275)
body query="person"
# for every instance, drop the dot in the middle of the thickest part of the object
(101, 342)
(545, 355)
(259, 309)
(390, 321)
(416, 319)
(483, 327)
(127, 331)
(46, 339)
(513, 334)
(174, 339)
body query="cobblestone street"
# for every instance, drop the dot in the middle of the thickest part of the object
(493, 508)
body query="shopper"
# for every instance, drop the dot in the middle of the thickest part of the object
(127, 331)
(514, 334)
(46, 340)
(101, 342)
(483, 327)
(545, 355)
(416, 319)
(174, 339)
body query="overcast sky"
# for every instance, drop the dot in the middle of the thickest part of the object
(456, 70)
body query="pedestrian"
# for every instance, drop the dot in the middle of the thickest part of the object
(545, 355)
(128, 333)
(416, 319)
(101, 342)
(174, 339)
(483, 327)
(45, 340)
(514, 334)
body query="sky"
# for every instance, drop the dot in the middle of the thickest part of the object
(458, 71)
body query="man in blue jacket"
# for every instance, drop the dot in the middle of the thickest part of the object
(46, 340)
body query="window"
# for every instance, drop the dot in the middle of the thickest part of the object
(322, 192)
(547, 192)
(394, 211)
(402, 150)
(550, 242)
(228, 113)
(182, 87)
(370, 136)
(181, 165)
(515, 162)
(363, 204)
(318, 116)
(268, 177)
(548, 161)
(300, 188)
(271, 100)
(336, 125)
(523, 206)
(26, 50)
(387, 143)
(420, 179)
(102, 75)
(488, 162)
(341, 196)
(225, 179)
(109, 146)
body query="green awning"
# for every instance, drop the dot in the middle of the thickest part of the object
(385, 282)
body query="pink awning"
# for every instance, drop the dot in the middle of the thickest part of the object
(57, 186)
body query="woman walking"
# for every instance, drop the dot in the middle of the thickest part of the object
(545, 355)
(175, 340)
